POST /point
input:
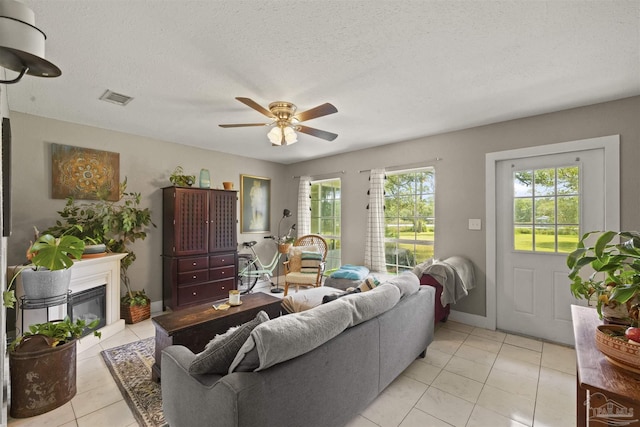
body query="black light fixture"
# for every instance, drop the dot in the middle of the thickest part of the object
(286, 213)
(22, 43)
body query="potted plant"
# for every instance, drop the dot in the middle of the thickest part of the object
(179, 179)
(84, 221)
(48, 274)
(608, 272)
(116, 224)
(42, 366)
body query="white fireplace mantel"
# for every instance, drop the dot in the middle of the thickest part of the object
(86, 274)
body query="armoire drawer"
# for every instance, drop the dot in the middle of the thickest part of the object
(221, 260)
(191, 264)
(222, 273)
(193, 277)
(204, 292)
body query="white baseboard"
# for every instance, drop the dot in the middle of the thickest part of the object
(470, 319)
(156, 307)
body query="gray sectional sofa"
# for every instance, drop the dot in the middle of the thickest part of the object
(326, 386)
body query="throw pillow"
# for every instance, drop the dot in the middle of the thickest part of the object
(222, 349)
(295, 256)
(310, 262)
(368, 284)
(332, 297)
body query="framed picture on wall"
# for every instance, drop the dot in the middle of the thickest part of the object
(255, 204)
(84, 173)
(6, 177)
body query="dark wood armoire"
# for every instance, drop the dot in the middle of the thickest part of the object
(199, 254)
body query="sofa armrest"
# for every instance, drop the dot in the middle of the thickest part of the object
(181, 355)
(184, 395)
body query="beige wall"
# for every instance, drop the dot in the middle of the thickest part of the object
(460, 178)
(146, 163)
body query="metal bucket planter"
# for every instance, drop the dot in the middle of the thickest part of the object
(39, 284)
(42, 377)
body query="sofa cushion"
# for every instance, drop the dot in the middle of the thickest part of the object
(290, 336)
(222, 349)
(301, 301)
(367, 305)
(407, 282)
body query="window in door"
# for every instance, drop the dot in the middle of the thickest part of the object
(546, 209)
(325, 218)
(409, 218)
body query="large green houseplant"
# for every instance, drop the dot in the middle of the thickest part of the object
(116, 224)
(608, 272)
(48, 272)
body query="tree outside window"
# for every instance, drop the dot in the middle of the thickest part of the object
(325, 218)
(409, 218)
(546, 209)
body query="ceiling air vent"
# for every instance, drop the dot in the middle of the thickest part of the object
(115, 98)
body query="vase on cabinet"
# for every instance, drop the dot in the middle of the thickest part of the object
(205, 180)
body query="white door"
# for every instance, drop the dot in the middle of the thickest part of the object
(543, 205)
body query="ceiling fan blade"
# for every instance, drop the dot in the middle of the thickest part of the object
(241, 125)
(253, 104)
(319, 111)
(317, 132)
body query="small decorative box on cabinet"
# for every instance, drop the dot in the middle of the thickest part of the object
(200, 255)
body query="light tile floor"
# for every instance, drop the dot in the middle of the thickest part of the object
(470, 377)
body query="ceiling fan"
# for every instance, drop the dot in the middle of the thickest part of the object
(286, 122)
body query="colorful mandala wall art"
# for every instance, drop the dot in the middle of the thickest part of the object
(84, 173)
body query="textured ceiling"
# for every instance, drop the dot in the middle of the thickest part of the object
(396, 70)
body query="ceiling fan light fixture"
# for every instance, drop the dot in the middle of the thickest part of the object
(275, 136)
(22, 47)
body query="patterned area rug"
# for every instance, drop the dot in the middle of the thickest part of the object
(130, 366)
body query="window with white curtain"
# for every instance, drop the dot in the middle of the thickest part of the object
(409, 218)
(325, 217)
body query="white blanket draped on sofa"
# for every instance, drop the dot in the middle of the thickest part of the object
(455, 274)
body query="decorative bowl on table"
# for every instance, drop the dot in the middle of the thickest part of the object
(610, 340)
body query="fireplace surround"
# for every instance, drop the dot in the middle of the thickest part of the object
(86, 274)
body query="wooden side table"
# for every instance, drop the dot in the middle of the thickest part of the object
(194, 327)
(607, 395)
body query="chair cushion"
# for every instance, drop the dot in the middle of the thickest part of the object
(310, 262)
(222, 349)
(301, 278)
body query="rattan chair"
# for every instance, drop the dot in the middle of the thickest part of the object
(293, 276)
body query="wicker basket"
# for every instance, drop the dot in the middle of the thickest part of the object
(283, 248)
(135, 313)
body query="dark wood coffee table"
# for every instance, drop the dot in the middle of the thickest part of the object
(194, 327)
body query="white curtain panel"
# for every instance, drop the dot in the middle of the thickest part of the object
(304, 206)
(374, 245)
